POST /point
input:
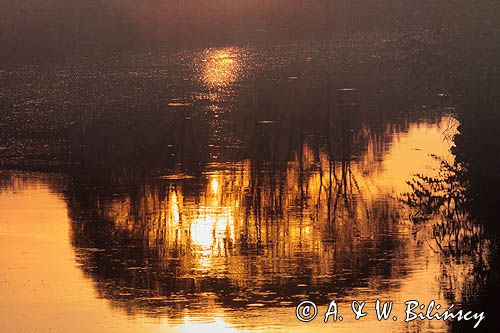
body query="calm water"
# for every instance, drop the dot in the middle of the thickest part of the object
(215, 189)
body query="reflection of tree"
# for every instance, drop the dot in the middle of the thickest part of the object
(444, 202)
(297, 214)
(242, 235)
(459, 55)
(444, 193)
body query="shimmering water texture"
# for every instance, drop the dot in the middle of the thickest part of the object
(215, 189)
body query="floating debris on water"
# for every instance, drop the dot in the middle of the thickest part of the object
(179, 104)
(255, 305)
(178, 176)
(347, 89)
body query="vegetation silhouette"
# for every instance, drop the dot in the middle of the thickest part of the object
(462, 63)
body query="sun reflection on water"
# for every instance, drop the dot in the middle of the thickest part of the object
(221, 67)
(311, 199)
(251, 238)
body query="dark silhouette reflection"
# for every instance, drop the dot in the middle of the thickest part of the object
(124, 114)
(243, 235)
(461, 234)
(461, 58)
(213, 177)
(298, 215)
(444, 202)
(253, 175)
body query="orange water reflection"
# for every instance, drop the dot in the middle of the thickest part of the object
(221, 67)
(233, 251)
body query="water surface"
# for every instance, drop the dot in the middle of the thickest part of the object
(215, 189)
